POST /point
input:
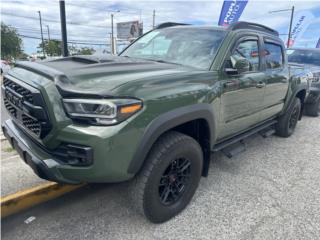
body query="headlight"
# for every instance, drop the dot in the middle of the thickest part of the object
(101, 111)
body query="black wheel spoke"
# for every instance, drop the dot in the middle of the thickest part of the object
(165, 194)
(185, 166)
(174, 181)
(294, 118)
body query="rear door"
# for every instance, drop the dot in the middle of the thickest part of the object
(277, 78)
(242, 93)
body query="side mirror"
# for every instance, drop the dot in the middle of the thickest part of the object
(242, 65)
(237, 65)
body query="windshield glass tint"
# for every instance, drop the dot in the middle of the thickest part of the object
(304, 56)
(185, 46)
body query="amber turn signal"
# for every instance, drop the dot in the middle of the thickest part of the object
(130, 109)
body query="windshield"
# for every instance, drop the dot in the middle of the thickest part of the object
(185, 46)
(304, 56)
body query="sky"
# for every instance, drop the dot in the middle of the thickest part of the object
(89, 22)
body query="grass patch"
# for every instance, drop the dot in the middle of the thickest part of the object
(8, 149)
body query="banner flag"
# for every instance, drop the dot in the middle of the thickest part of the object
(318, 44)
(300, 24)
(231, 11)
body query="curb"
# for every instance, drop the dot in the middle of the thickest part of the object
(25, 199)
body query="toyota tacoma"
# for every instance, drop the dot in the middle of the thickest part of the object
(156, 112)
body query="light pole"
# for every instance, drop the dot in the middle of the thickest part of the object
(65, 52)
(291, 20)
(112, 42)
(41, 34)
(112, 34)
(153, 19)
(48, 32)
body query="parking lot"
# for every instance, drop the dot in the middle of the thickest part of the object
(271, 191)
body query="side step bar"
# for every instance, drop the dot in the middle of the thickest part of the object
(221, 145)
(234, 149)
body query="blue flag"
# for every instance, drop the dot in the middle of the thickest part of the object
(318, 44)
(231, 11)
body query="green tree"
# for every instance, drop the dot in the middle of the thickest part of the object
(11, 43)
(51, 47)
(85, 51)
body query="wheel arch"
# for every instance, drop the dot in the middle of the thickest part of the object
(190, 120)
(300, 92)
(302, 96)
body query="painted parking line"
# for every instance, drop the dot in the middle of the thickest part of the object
(25, 199)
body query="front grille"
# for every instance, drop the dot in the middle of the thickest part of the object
(27, 94)
(26, 106)
(32, 124)
(12, 110)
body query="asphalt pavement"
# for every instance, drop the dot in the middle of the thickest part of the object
(16, 175)
(271, 191)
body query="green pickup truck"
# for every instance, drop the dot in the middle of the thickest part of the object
(156, 112)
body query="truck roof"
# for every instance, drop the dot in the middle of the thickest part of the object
(232, 27)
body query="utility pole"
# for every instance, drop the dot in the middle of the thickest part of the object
(48, 32)
(290, 27)
(63, 28)
(291, 20)
(41, 34)
(153, 19)
(112, 42)
(110, 37)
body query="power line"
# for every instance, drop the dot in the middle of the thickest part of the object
(57, 34)
(69, 41)
(55, 21)
(132, 11)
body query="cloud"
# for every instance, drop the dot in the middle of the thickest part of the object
(89, 21)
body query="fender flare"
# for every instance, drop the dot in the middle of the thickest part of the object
(299, 88)
(167, 121)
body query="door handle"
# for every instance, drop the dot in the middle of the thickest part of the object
(260, 85)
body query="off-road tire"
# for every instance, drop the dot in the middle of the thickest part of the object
(313, 109)
(145, 189)
(287, 122)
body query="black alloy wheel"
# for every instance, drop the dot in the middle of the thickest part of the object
(174, 181)
(294, 118)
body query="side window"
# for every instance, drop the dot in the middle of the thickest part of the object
(273, 55)
(249, 50)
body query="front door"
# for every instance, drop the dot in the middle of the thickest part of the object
(243, 92)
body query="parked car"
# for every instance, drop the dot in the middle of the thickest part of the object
(5, 66)
(155, 113)
(311, 58)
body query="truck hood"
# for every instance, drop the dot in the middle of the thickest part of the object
(100, 76)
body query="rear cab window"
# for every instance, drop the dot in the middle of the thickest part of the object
(273, 53)
(249, 49)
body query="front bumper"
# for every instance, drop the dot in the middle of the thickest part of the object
(110, 161)
(42, 167)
